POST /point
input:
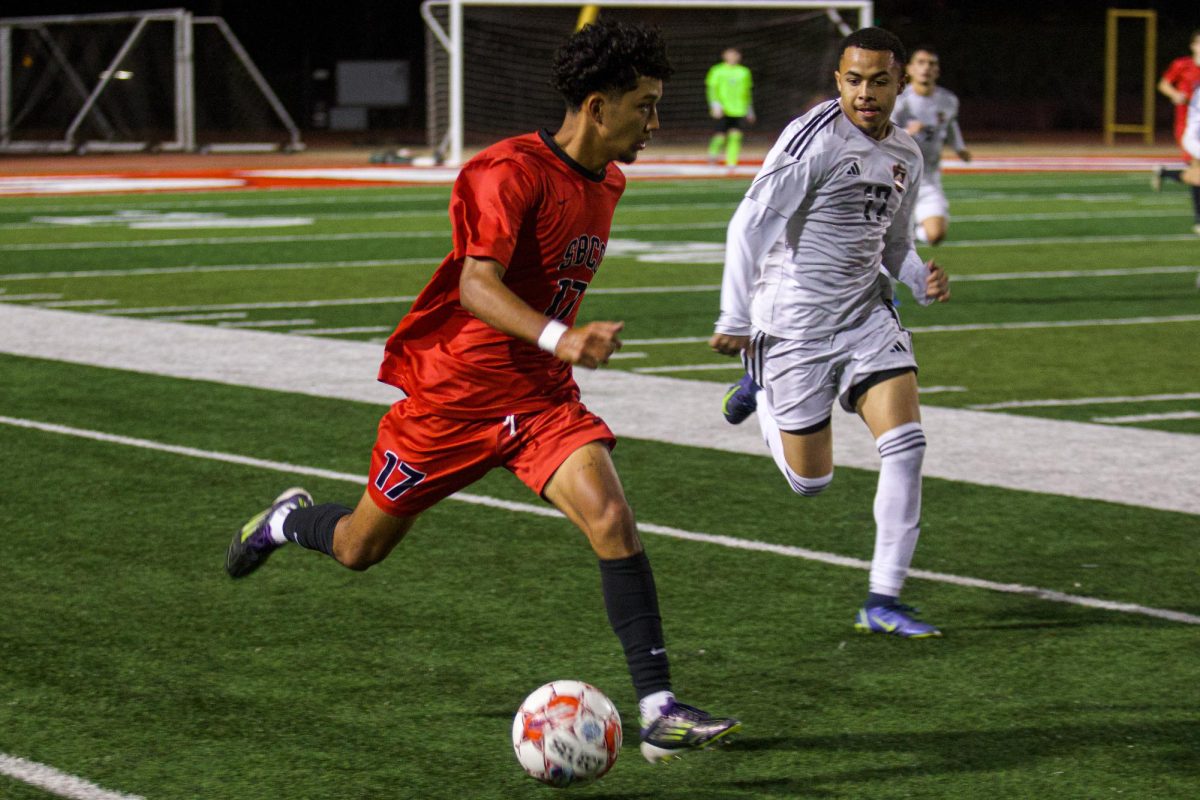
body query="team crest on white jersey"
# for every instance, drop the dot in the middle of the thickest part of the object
(899, 176)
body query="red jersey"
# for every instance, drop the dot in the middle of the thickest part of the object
(524, 203)
(1184, 74)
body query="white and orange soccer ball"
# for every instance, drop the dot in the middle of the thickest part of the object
(567, 733)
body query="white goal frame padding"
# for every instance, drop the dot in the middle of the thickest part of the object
(451, 39)
(184, 92)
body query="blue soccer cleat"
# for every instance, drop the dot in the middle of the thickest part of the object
(740, 401)
(253, 544)
(681, 728)
(894, 619)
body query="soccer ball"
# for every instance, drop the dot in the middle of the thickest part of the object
(567, 733)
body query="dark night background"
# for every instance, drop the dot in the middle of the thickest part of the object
(1019, 68)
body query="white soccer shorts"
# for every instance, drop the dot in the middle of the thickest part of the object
(931, 199)
(803, 378)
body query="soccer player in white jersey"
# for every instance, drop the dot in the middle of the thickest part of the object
(805, 302)
(930, 114)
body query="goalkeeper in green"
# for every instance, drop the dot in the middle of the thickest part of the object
(730, 103)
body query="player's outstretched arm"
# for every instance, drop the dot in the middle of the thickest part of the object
(483, 293)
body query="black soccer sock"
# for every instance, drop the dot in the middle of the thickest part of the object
(632, 604)
(313, 527)
(1196, 203)
(1172, 174)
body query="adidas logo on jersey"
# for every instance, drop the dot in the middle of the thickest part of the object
(855, 169)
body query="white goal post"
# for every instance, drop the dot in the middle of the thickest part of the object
(129, 81)
(488, 61)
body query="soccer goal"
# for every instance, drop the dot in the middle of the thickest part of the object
(488, 61)
(163, 80)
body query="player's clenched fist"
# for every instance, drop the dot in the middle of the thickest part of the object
(590, 345)
(937, 283)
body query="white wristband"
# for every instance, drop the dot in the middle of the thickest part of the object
(553, 331)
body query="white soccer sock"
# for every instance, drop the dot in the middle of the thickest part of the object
(275, 525)
(801, 485)
(897, 506)
(651, 706)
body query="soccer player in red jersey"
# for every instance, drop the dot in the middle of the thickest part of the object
(1178, 83)
(485, 357)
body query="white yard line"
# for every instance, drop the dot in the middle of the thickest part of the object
(341, 331)
(1085, 401)
(267, 323)
(1125, 272)
(1165, 415)
(55, 781)
(1074, 241)
(648, 527)
(186, 270)
(1153, 469)
(1066, 323)
(95, 303)
(219, 241)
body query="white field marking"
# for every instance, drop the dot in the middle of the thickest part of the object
(68, 184)
(126, 273)
(730, 365)
(265, 198)
(9, 297)
(221, 241)
(1085, 401)
(267, 323)
(203, 317)
(1121, 272)
(56, 782)
(1071, 240)
(338, 331)
(675, 340)
(1070, 323)
(347, 301)
(625, 354)
(78, 303)
(1055, 215)
(1130, 466)
(1166, 415)
(662, 530)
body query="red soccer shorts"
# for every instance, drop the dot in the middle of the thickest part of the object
(421, 458)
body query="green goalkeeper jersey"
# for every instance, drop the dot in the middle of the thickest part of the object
(729, 85)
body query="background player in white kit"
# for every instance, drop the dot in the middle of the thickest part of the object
(805, 302)
(930, 114)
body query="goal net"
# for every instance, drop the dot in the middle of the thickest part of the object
(131, 81)
(488, 61)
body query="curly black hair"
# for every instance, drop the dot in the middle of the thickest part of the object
(876, 39)
(608, 56)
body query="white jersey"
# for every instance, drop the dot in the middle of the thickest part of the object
(938, 115)
(829, 206)
(1191, 134)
